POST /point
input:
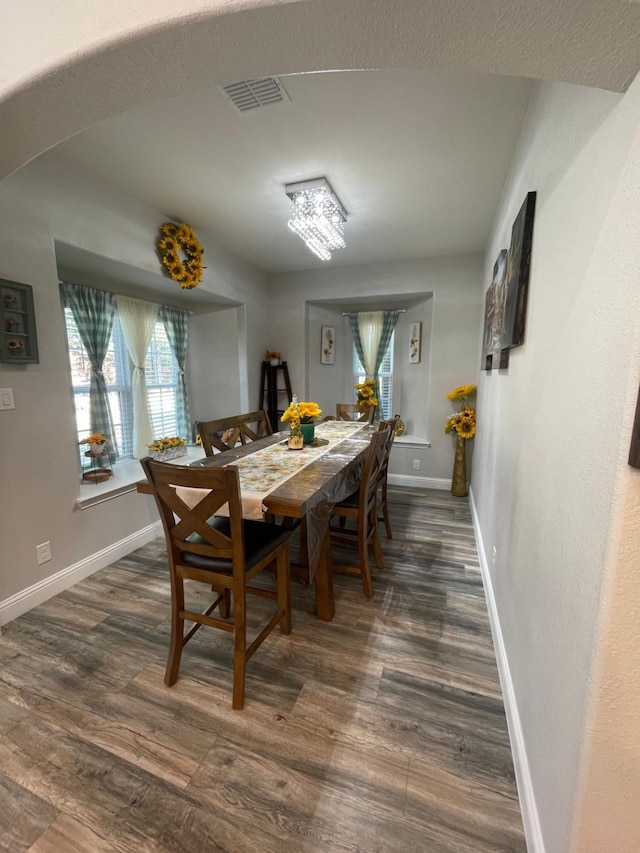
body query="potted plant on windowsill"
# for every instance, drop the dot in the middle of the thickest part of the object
(97, 444)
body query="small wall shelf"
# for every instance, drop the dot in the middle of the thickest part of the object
(18, 341)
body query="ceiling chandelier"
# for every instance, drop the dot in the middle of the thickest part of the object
(317, 216)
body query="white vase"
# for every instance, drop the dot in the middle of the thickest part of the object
(97, 449)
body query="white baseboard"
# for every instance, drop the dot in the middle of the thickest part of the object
(414, 482)
(526, 794)
(45, 589)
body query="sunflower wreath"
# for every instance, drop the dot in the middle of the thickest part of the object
(181, 254)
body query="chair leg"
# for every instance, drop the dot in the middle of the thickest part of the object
(224, 608)
(284, 588)
(363, 559)
(239, 648)
(177, 632)
(385, 511)
(376, 539)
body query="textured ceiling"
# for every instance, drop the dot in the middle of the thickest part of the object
(420, 153)
(417, 158)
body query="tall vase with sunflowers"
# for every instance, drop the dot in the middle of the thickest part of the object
(366, 393)
(463, 424)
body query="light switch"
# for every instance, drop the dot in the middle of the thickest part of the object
(6, 398)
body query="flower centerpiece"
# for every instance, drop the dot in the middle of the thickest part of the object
(366, 393)
(301, 417)
(463, 424)
(97, 444)
(168, 448)
(273, 357)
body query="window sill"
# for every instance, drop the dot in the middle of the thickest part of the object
(411, 441)
(125, 476)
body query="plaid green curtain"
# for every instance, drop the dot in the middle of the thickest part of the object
(389, 320)
(175, 325)
(93, 312)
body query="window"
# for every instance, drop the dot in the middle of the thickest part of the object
(385, 378)
(161, 373)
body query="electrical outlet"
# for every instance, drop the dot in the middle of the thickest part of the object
(43, 553)
(416, 464)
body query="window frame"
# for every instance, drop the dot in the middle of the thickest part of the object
(163, 424)
(359, 375)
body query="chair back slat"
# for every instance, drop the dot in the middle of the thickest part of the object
(355, 412)
(225, 433)
(181, 522)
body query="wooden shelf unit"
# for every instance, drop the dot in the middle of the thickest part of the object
(275, 398)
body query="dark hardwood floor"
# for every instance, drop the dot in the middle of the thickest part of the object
(382, 731)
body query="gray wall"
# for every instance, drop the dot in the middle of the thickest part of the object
(550, 479)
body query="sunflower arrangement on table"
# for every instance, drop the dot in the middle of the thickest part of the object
(301, 413)
(181, 254)
(463, 423)
(366, 393)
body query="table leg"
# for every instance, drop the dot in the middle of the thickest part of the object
(325, 602)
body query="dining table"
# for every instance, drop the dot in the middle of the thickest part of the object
(298, 485)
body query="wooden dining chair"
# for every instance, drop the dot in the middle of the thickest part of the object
(222, 552)
(225, 433)
(361, 507)
(354, 412)
(383, 510)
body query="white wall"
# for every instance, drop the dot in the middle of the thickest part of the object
(38, 457)
(550, 456)
(445, 293)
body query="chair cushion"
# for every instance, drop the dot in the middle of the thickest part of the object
(352, 501)
(259, 539)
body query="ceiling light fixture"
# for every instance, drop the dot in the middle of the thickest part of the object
(317, 216)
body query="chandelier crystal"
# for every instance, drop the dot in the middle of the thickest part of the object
(317, 216)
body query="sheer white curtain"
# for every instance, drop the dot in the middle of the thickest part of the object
(371, 324)
(138, 320)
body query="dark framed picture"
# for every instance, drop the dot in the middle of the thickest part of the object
(634, 449)
(493, 353)
(518, 269)
(18, 341)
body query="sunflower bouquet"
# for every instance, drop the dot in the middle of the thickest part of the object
(463, 423)
(366, 393)
(301, 413)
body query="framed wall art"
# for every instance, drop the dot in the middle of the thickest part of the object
(328, 345)
(518, 268)
(18, 341)
(494, 354)
(634, 449)
(415, 342)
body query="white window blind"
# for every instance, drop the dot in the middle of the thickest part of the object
(385, 378)
(161, 372)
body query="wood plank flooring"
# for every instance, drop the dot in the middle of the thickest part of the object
(382, 731)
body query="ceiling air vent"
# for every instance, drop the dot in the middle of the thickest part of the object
(249, 95)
